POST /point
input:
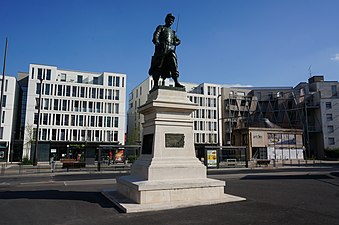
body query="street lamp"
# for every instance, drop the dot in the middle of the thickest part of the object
(35, 157)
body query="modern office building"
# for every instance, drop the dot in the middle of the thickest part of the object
(73, 111)
(8, 121)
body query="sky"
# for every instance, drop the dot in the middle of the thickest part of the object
(260, 43)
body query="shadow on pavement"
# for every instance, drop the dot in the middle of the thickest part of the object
(92, 197)
(280, 177)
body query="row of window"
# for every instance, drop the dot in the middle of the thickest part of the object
(76, 120)
(78, 92)
(203, 125)
(67, 105)
(201, 101)
(78, 135)
(112, 81)
(205, 138)
(205, 113)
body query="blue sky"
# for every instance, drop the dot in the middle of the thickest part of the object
(248, 42)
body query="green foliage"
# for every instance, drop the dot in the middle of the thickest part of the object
(132, 158)
(26, 161)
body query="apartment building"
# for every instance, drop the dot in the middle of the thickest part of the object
(75, 111)
(9, 120)
(319, 101)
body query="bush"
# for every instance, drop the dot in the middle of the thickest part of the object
(26, 161)
(132, 158)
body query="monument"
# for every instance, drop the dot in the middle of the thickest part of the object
(167, 174)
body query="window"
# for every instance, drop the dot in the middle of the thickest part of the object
(117, 82)
(45, 119)
(39, 73)
(38, 88)
(110, 81)
(80, 79)
(68, 90)
(117, 108)
(64, 105)
(44, 134)
(108, 122)
(115, 136)
(46, 104)
(334, 90)
(82, 92)
(54, 134)
(47, 89)
(116, 94)
(3, 116)
(59, 90)
(32, 73)
(48, 74)
(57, 119)
(95, 80)
(66, 119)
(74, 91)
(62, 134)
(56, 103)
(4, 100)
(101, 93)
(328, 105)
(72, 120)
(94, 90)
(76, 106)
(330, 129)
(329, 117)
(331, 141)
(116, 121)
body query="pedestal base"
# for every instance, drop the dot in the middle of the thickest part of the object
(140, 196)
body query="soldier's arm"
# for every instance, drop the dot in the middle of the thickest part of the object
(156, 35)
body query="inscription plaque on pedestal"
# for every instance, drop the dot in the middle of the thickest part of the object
(174, 140)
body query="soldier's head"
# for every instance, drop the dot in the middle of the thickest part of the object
(169, 20)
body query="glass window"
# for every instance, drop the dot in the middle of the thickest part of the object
(95, 80)
(56, 103)
(66, 120)
(331, 141)
(330, 129)
(116, 121)
(68, 90)
(110, 81)
(59, 90)
(74, 91)
(80, 79)
(94, 91)
(82, 92)
(328, 105)
(329, 117)
(38, 88)
(39, 73)
(4, 100)
(48, 74)
(117, 82)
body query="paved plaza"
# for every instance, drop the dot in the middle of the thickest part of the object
(274, 196)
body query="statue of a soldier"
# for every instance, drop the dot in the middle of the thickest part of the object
(164, 61)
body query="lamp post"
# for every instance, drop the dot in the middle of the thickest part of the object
(218, 119)
(35, 158)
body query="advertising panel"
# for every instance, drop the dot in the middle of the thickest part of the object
(212, 158)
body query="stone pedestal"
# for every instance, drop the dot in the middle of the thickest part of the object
(168, 174)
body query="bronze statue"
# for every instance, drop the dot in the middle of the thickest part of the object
(164, 61)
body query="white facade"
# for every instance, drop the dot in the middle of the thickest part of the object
(76, 106)
(8, 117)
